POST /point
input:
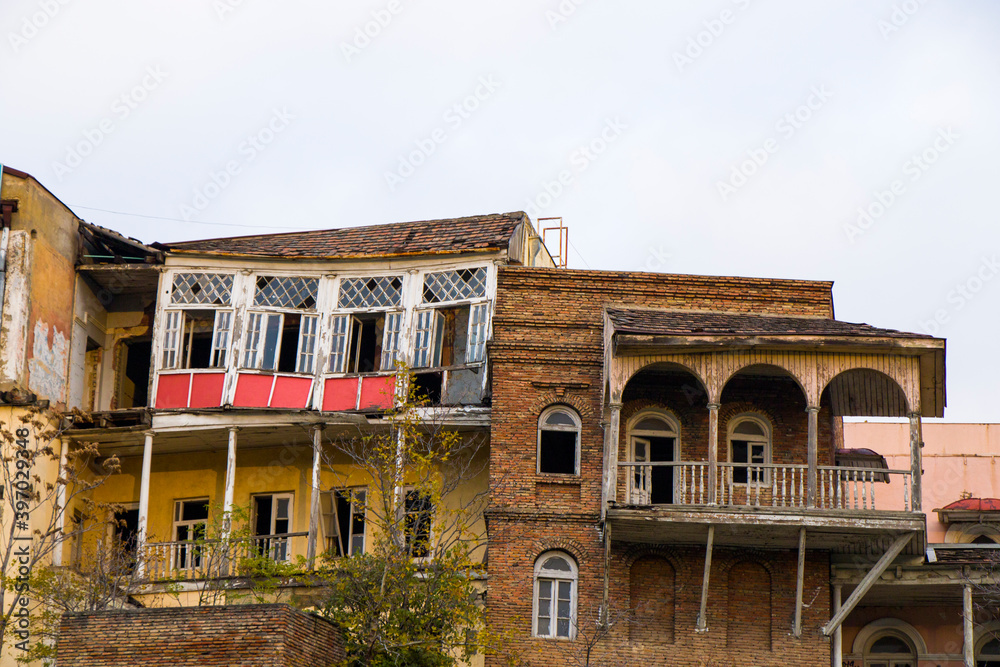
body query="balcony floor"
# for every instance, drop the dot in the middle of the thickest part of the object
(839, 531)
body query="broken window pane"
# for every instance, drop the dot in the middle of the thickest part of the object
(202, 288)
(455, 285)
(376, 292)
(286, 292)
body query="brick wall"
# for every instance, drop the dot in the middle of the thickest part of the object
(274, 635)
(548, 348)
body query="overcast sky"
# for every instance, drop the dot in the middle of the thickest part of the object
(846, 141)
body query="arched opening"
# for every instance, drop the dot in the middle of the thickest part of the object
(890, 649)
(651, 584)
(559, 441)
(749, 440)
(863, 392)
(748, 617)
(988, 650)
(654, 438)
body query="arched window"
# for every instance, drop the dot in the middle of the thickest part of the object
(890, 649)
(555, 596)
(749, 446)
(653, 438)
(559, 441)
(988, 653)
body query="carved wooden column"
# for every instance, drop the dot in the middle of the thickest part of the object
(713, 451)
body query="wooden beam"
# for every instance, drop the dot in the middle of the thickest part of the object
(968, 649)
(314, 495)
(865, 585)
(812, 438)
(702, 624)
(605, 610)
(799, 582)
(838, 640)
(916, 470)
(713, 451)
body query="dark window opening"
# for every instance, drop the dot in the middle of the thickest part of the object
(350, 539)
(662, 491)
(287, 354)
(196, 346)
(557, 452)
(984, 539)
(366, 343)
(135, 383)
(427, 387)
(417, 523)
(127, 528)
(455, 336)
(262, 511)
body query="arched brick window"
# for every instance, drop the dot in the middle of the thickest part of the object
(651, 582)
(748, 615)
(559, 441)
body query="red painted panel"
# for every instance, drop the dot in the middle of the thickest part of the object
(340, 394)
(172, 390)
(377, 392)
(252, 391)
(206, 389)
(291, 392)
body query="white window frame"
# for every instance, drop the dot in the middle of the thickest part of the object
(554, 578)
(175, 331)
(190, 554)
(578, 429)
(764, 442)
(283, 548)
(479, 320)
(427, 326)
(340, 342)
(305, 353)
(358, 505)
(391, 330)
(640, 479)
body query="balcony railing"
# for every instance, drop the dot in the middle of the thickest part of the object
(766, 485)
(208, 559)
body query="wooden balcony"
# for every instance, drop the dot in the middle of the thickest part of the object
(763, 505)
(193, 560)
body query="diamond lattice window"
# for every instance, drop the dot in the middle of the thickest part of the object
(286, 292)
(202, 288)
(455, 285)
(378, 292)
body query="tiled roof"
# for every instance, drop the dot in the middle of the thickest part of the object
(695, 323)
(972, 554)
(481, 232)
(973, 505)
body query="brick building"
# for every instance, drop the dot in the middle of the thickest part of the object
(673, 454)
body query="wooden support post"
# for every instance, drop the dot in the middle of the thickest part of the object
(227, 502)
(142, 530)
(611, 444)
(969, 648)
(60, 508)
(811, 447)
(314, 492)
(702, 624)
(799, 581)
(867, 582)
(916, 467)
(713, 451)
(838, 640)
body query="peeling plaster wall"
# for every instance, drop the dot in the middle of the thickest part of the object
(47, 366)
(16, 309)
